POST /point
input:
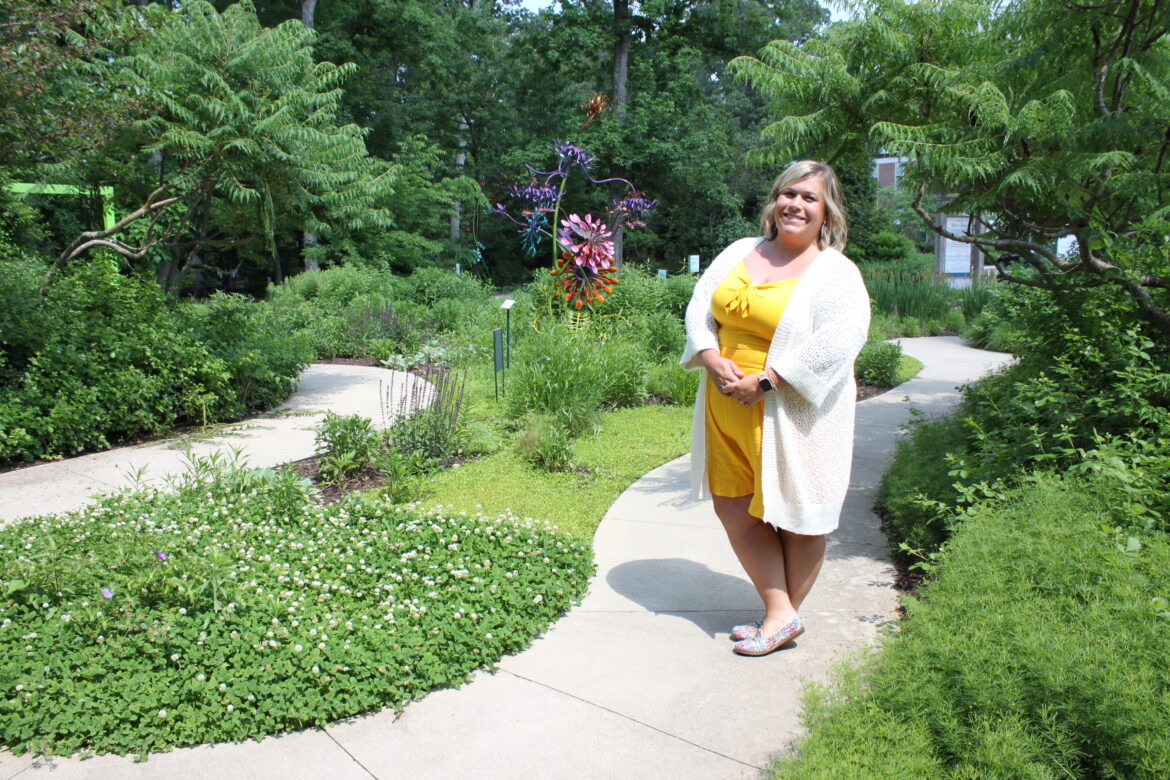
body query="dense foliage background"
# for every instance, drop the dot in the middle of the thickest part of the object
(298, 181)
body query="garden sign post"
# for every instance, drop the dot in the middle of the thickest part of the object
(507, 307)
(498, 355)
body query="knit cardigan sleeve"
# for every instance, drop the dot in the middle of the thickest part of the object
(817, 361)
(702, 329)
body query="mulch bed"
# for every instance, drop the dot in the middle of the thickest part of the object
(331, 493)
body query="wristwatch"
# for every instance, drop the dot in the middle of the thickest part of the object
(766, 383)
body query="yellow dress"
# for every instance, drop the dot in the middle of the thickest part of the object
(747, 315)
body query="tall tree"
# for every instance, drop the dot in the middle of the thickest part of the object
(52, 103)
(244, 124)
(1051, 118)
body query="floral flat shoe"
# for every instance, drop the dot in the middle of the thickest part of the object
(745, 631)
(762, 645)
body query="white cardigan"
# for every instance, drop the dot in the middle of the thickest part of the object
(807, 447)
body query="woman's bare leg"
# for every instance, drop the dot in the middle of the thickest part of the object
(762, 555)
(803, 556)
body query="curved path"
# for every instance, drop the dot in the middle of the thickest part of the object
(283, 435)
(640, 679)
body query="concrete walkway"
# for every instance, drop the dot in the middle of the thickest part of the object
(283, 435)
(638, 680)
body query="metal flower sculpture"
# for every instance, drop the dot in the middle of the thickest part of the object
(582, 249)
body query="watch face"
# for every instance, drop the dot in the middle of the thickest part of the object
(765, 384)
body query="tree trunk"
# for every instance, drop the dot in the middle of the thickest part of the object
(308, 240)
(621, 71)
(460, 159)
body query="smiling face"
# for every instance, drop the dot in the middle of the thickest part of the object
(800, 211)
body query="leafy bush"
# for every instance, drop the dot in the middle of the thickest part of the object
(676, 294)
(921, 296)
(1008, 666)
(346, 445)
(113, 361)
(238, 607)
(622, 365)
(262, 357)
(1086, 375)
(919, 481)
(107, 357)
(888, 247)
(638, 292)
(429, 419)
(662, 333)
(546, 444)
(558, 374)
(877, 364)
(428, 286)
(675, 385)
(333, 289)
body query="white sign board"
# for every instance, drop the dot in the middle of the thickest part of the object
(957, 257)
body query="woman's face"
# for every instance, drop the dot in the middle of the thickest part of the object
(800, 211)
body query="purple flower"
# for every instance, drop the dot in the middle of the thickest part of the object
(636, 206)
(575, 154)
(161, 555)
(540, 195)
(107, 593)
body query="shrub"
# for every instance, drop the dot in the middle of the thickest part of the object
(675, 385)
(428, 286)
(921, 296)
(262, 357)
(1084, 373)
(676, 294)
(333, 289)
(622, 367)
(558, 374)
(429, 419)
(919, 481)
(662, 333)
(1008, 666)
(877, 364)
(238, 607)
(346, 445)
(545, 443)
(888, 247)
(638, 293)
(113, 361)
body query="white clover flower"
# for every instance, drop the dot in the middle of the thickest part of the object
(162, 713)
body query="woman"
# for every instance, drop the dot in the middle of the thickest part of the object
(777, 322)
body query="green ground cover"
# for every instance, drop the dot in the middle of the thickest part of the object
(239, 606)
(629, 443)
(1038, 651)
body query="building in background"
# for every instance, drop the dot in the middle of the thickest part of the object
(957, 261)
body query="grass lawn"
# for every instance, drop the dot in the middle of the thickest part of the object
(629, 443)
(908, 368)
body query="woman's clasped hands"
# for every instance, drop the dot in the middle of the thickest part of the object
(730, 380)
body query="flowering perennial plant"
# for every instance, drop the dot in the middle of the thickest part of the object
(583, 247)
(269, 613)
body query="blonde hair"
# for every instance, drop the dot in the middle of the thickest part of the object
(835, 229)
